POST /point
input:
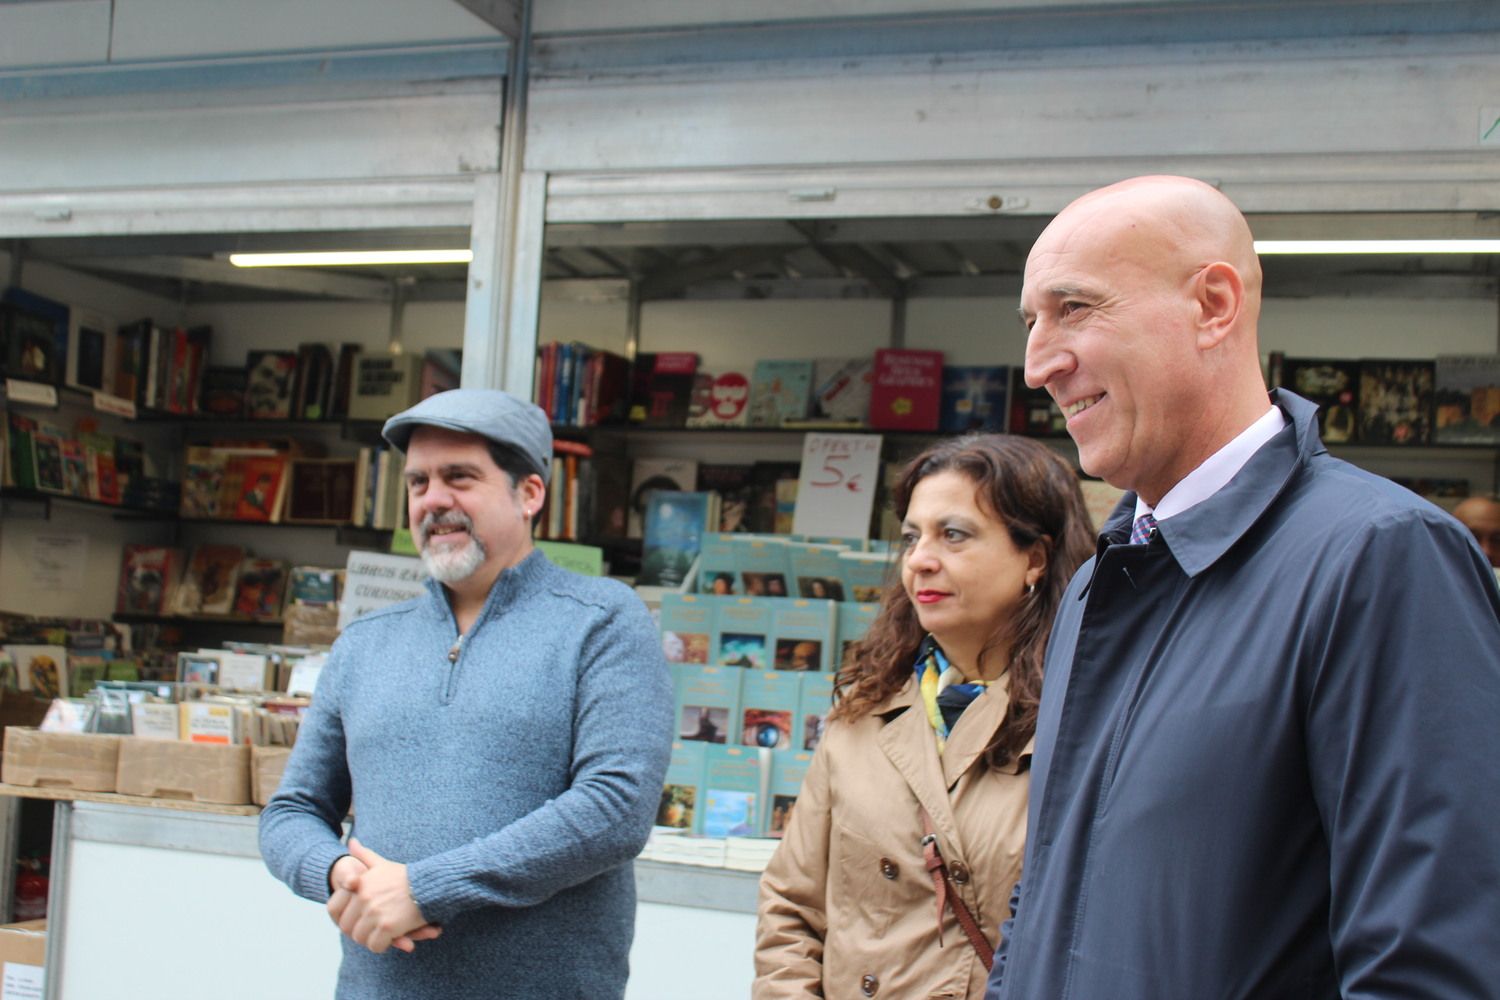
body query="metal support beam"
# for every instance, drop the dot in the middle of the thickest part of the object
(398, 290)
(898, 320)
(302, 281)
(671, 280)
(856, 260)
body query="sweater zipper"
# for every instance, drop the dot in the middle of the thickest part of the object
(454, 652)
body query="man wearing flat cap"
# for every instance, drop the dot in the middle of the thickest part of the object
(502, 741)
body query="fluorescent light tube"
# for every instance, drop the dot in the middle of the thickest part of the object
(351, 258)
(1376, 246)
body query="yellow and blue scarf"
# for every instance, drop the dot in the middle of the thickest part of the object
(945, 692)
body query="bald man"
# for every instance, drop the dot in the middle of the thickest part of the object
(1266, 752)
(1481, 515)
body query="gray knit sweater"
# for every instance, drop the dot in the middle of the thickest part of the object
(516, 781)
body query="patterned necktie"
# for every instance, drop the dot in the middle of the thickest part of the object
(1141, 533)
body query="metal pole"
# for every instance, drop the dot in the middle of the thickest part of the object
(512, 160)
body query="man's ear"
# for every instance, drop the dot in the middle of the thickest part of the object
(1219, 293)
(532, 493)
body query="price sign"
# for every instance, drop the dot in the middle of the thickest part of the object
(836, 490)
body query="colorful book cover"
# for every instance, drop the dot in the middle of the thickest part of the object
(222, 391)
(148, 576)
(40, 669)
(815, 570)
(974, 398)
(1466, 399)
(719, 400)
(207, 585)
(865, 574)
(766, 505)
(907, 390)
(675, 525)
(687, 627)
(718, 573)
(49, 459)
(841, 390)
(264, 482)
(803, 634)
(768, 708)
(853, 622)
(648, 475)
(735, 783)
(314, 585)
(669, 389)
(735, 485)
(21, 470)
(1334, 386)
(780, 391)
(35, 336)
(814, 700)
(683, 788)
(788, 770)
(1033, 412)
(708, 701)
(1395, 402)
(269, 382)
(742, 637)
(258, 592)
(762, 564)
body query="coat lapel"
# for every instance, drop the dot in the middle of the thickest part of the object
(909, 744)
(976, 727)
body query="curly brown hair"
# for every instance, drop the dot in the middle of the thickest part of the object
(1035, 494)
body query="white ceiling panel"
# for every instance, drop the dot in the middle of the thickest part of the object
(35, 35)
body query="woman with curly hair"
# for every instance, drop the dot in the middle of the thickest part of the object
(899, 861)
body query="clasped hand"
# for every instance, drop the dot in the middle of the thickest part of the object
(371, 902)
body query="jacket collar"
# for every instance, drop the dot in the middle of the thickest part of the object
(1198, 537)
(507, 588)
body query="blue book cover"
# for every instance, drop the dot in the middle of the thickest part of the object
(708, 701)
(815, 570)
(803, 634)
(865, 574)
(742, 636)
(768, 700)
(718, 572)
(734, 790)
(787, 773)
(780, 391)
(974, 398)
(763, 565)
(674, 527)
(854, 622)
(687, 627)
(814, 699)
(683, 787)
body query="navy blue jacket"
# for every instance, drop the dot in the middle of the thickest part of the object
(1268, 756)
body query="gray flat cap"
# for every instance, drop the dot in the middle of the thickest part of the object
(506, 420)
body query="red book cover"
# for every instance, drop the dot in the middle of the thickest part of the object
(907, 393)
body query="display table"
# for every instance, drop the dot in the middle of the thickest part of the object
(159, 899)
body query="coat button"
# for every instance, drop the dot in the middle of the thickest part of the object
(960, 873)
(888, 868)
(869, 985)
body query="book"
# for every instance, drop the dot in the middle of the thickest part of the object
(780, 390)
(1395, 402)
(708, 701)
(259, 589)
(320, 491)
(974, 398)
(1334, 386)
(854, 620)
(687, 627)
(841, 390)
(269, 381)
(1033, 412)
(735, 783)
(788, 771)
(149, 575)
(674, 529)
(130, 360)
(742, 633)
(906, 393)
(803, 634)
(650, 474)
(33, 336)
(815, 570)
(814, 700)
(1466, 399)
(767, 508)
(680, 794)
(768, 706)
(264, 486)
(735, 485)
(718, 573)
(719, 400)
(865, 574)
(91, 351)
(207, 585)
(314, 585)
(41, 669)
(762, 564)
(667, 389)
(384, 385)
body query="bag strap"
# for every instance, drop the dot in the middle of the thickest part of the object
(947, 895)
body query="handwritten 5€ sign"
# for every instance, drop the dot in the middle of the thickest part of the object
(836, 488)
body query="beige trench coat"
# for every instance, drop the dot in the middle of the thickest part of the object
(847, 908)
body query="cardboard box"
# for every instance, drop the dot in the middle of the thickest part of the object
(84, 762)
(195, 772)
(23, 959)
(266, 765)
